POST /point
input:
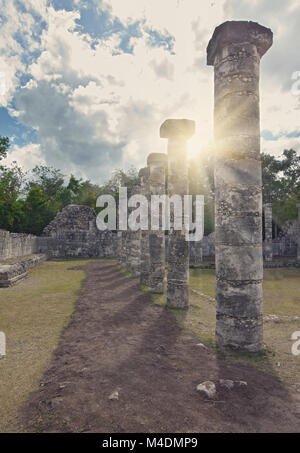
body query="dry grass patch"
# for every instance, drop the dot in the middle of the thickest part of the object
(32, 316)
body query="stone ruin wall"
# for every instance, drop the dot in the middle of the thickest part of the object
(64, 240)
(73, 233)
(14, 245)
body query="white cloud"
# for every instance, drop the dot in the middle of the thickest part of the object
(94, 110)
(27, 156)
(276, 147)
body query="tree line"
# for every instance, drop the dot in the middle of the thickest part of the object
(30, 200)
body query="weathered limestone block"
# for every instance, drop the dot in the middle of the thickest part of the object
(157, 186)
(235, 51)
(268, 244)
(13, 273)
(13, 245)
(71, 217)
(177, 132)
(145, 252)
(74, 233)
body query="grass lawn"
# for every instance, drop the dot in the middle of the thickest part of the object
(32, 316)
(281, 297)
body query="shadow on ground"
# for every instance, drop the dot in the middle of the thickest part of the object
(120, 344)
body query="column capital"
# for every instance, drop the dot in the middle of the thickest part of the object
(144, 172)
(239, 32)
(268, 205)
(177, 128)
(157, 158)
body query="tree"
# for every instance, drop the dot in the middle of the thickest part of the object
(281, 184)
(4, 145)
(11, 206)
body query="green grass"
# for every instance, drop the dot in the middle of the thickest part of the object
(281, 289)
(33, 315)
(281, 297)
(203, 280)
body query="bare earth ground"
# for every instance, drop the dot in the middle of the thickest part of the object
(119, 340)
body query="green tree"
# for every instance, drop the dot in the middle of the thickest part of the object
(4, 146)
(11, 205)
(281, 184)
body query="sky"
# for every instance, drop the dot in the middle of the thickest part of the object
(86, 84)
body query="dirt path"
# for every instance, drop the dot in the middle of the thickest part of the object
(118, 340)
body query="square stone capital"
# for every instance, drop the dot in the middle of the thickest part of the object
(177, 128)
(157, 158)
(235, 32)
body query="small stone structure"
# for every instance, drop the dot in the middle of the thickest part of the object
(74, 233)
(157, 163)
(235, 51)
(14, 272)
(177, 132)
(268, 246)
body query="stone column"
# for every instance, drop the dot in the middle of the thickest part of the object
(177, 132)
(298, 231)
(197, 245)
(134, 239)
(122, 259)
(145, 253)
(126, 240)
(235, 51)
(157, 186)
(268, 247)
(119, 246)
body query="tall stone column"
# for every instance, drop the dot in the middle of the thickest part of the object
(119, 246)
(134, 239)
(157, 186)
(268, 245)
(145, 253)
(298, 231)
(123, 258)
(235, 51)
(197, 245)
(127, 238)
(177, 132)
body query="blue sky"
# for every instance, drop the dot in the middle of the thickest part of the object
(88, 83)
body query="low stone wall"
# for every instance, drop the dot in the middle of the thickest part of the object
(13, 273)
(13, 245)
(79, 244)
(284, 246)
